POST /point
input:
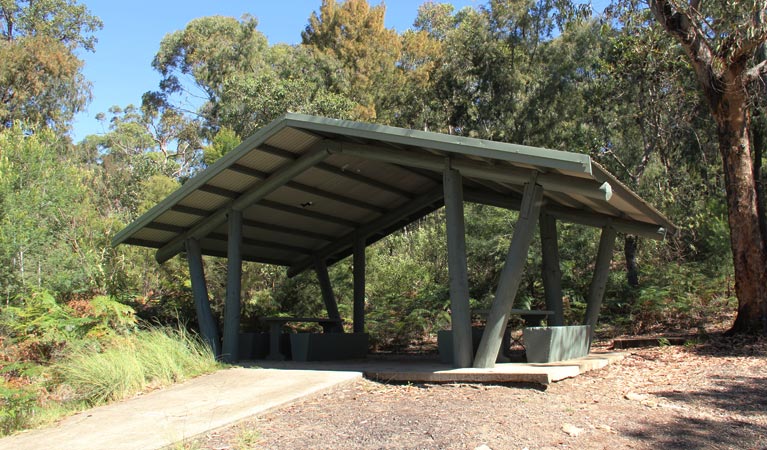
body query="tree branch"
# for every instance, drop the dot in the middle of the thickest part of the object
(756, 72)
(695, 5)
(746, 49)
(692, 38)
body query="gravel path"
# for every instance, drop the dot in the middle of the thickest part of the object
(712, 395)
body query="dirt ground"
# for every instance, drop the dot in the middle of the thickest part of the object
(710, 395)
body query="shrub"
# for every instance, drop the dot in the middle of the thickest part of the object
(17, 406)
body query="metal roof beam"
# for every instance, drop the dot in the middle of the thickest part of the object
(340, 172)
(265, 244)
(513, 153)
(221, 192)
(143, 242)
(165, 227)
(192, 211)
(505, 174)
(308, 213)
(287, 230)
(245, 222)
(365, 180)
(247, 257)
(382, 222)
(643, 229)
(383, 233)
(638, 203)
(247, 198)
(571, 215)
(311, 190)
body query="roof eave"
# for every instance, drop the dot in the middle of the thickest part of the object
(257, 139)
(602, 175)
(522, 154)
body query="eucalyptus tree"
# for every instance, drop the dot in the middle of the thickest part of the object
(721, 40)
(297, 79)
(139, 143)
(45, 35)
(500, 70)
(354, 33)
(223, 70)
(195, 62)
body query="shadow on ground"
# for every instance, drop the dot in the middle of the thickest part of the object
(701, 433)
(719, 345)
(718, 426)
(735, 394)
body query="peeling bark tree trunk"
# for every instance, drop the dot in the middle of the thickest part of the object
(723, 74)
(758, 127)
(748, 251)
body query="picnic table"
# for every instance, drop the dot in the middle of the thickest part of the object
(531, 318)
(275, 328)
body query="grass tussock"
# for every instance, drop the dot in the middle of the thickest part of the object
(148, 359)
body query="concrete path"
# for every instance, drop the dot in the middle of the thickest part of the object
(164, 417)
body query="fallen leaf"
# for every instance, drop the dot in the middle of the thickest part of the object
(650, 403)
(572, 430)
(636, 397)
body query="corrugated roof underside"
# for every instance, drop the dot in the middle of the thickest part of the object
(332, 199)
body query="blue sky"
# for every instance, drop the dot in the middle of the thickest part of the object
(120, 68)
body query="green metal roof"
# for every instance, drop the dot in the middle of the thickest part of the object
(308, 186)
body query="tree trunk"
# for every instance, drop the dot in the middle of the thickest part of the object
(630, 252)
(723, 77)
(748, 250)
(759, 130)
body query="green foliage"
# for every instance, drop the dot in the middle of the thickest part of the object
(44, 35)
(41, 328)
(223, 142)
(249, 102)
(680, 297)
(17, 406)
(210, 49)
(41, 318)
(63, 20)
(151, 358)
(110, 316)
(51, 234)
(353, 32)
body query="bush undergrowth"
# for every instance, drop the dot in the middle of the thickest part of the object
(57, 358)
(147, 359)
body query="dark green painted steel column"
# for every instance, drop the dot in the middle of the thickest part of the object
(208, 327)
(233, 304)
(599, 280)
(550, 269)
(327, 290)
(456, 256)
(359, 285)
(511, 275)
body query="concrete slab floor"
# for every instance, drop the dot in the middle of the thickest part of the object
(429, 370)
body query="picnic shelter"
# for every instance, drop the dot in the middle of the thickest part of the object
(305, 192)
